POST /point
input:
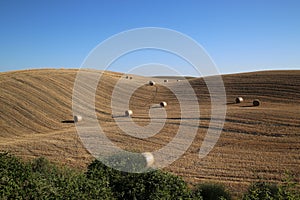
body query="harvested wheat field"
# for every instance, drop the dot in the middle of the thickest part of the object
(261, 142)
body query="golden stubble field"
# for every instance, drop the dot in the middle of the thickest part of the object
(256, 142)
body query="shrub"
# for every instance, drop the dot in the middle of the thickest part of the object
(41, 165)
(15, 177)
(267, 191)
(129, 162)
(42, 180)
(210, 191)
(149, 185)
(163, 185)
(261, 190)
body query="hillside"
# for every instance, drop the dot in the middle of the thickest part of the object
(256, 142)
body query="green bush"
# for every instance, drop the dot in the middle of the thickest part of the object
(16, 178)
(261, 190)
(267, 191)
(150, 185)
(210, 191)
(42, 180)
(128, 162)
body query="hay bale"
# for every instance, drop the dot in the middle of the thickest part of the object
(239, 100)
(256, 102)
(128, 113)
(149, 158)
(151, 83)
(77, 118)
(163, 104)
(166, 81)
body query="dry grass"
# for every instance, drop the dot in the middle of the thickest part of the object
(256, 142)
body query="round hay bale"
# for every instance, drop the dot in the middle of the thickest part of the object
(77, 118)
(149, 158)
(163, 104)
(256, 102)
(239, 100)
(151, 83)
(166, 81)
(128, 113)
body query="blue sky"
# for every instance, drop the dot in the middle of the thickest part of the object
(239, 35)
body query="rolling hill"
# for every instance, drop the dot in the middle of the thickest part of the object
(256, 142)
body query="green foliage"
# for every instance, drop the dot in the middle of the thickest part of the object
(289, 189)
(266, 191)
(42, 180)
(261, 190)
(150, 185)
(211, 191)
(128, 162)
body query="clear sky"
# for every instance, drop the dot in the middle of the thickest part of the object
(239, 35)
